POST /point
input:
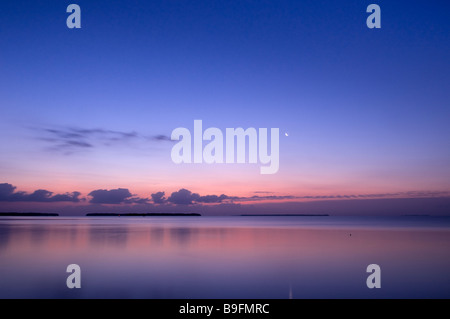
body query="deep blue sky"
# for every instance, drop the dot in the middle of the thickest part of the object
(366, 110)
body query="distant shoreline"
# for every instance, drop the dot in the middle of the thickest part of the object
(37, 215)
(283, 215)
(140, 215)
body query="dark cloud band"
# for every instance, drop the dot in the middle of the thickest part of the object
(8, 194)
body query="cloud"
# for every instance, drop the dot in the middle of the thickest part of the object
(78, 143)
(6, 190)
(189, 200)
(211, 198)
(162, 138)
(8, 194)
(72, 139)
(186, 197)
(115, 196)
(183, 197)
(80, 133)
(268, 197)
(352, 196)
(158, 198)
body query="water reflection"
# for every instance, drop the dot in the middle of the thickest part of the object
(5, 234)
(175, 258)
(183, 237)
(108, 235)
(156, 236)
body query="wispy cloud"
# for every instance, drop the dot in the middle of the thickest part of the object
(69, 140)
(161, 138)
(411, 194)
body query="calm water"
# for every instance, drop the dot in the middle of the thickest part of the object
(225, 257)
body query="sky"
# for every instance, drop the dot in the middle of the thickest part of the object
(86, 115)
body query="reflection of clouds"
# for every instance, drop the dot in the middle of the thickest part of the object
(219, 233)
(115, 236)
(33, 235)
(182, 236)
(5, 235)
(39, 235)
(87, 236)
(156, 235)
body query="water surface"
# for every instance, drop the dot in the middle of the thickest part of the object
(225, 257)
